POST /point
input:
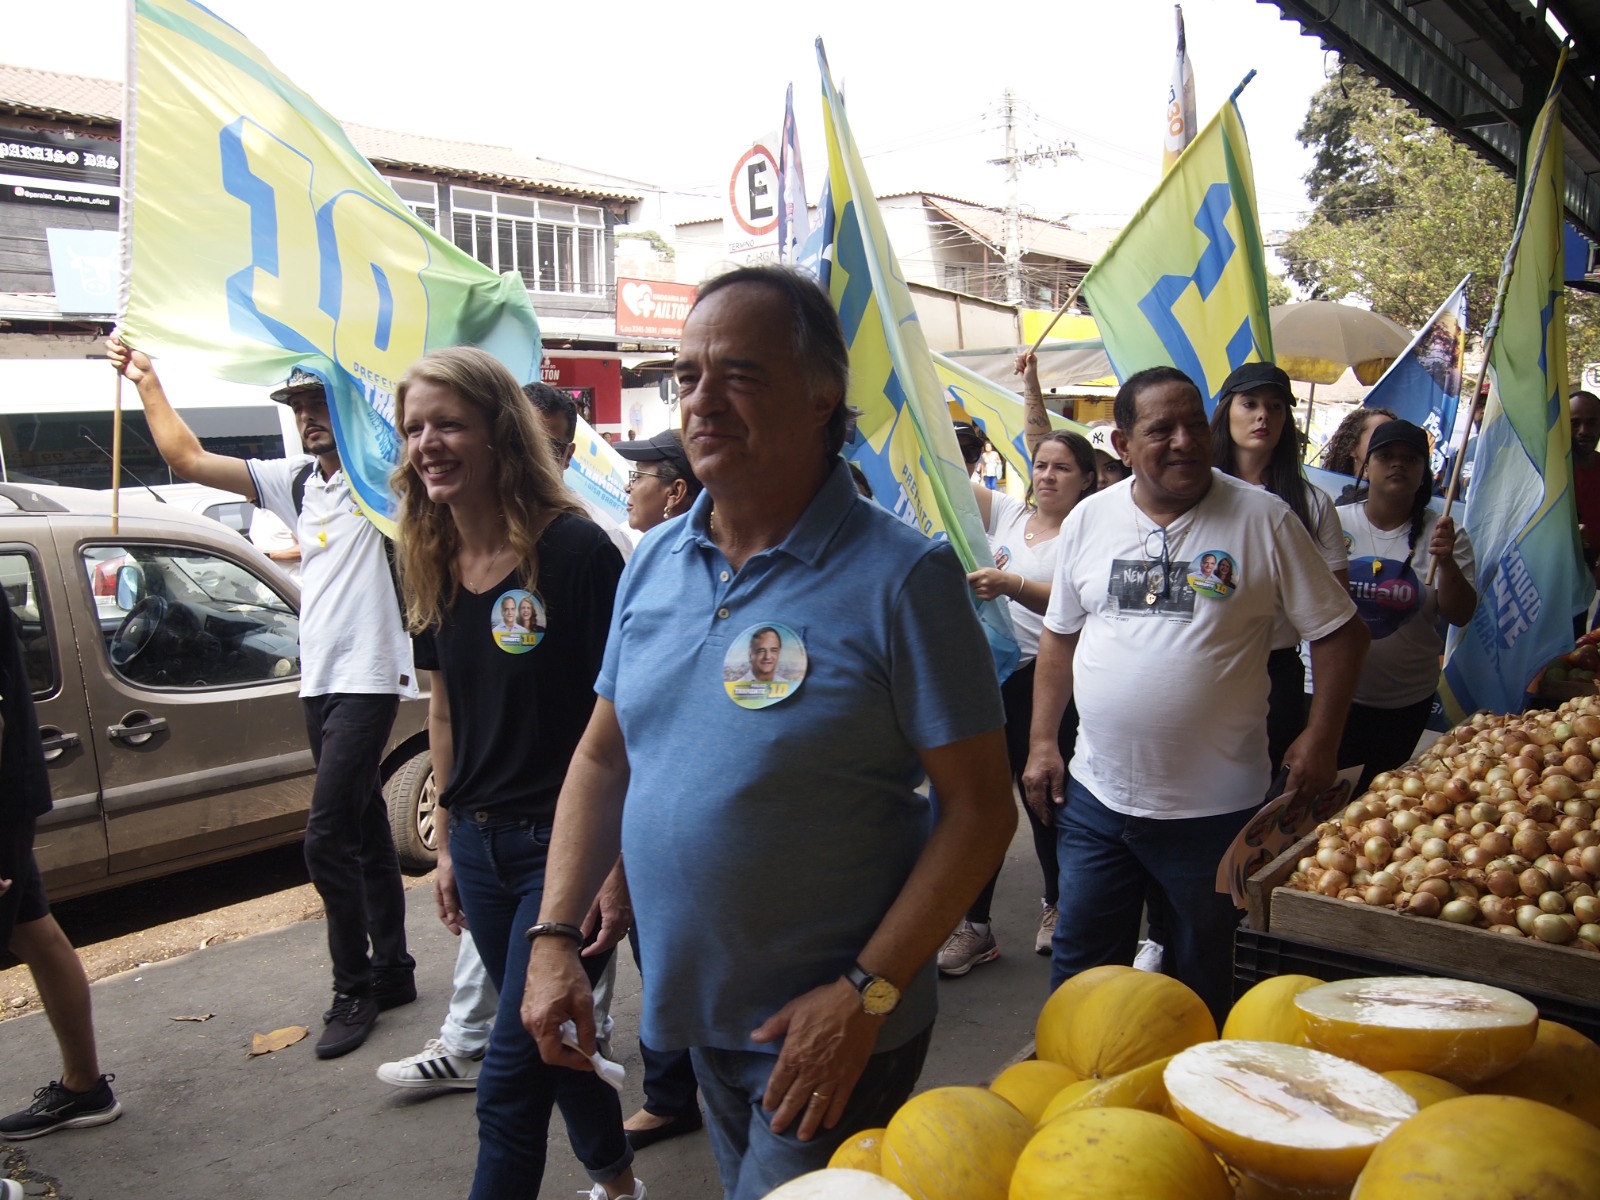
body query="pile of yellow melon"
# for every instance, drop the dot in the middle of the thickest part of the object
(1367, 1089)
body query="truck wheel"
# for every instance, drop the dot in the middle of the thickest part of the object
(413, 804)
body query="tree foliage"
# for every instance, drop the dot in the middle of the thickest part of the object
(1403, 210)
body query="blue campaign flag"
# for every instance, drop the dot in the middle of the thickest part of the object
(1423, 385)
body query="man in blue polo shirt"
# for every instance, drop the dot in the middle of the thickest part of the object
(790, 884)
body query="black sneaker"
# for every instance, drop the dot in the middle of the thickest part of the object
(393, 988)
(347, 1024)
(54, 1107)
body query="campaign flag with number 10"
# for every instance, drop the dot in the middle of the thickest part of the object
(257, 238)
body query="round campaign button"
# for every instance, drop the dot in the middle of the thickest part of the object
(1214, 574)
(517, 621)
(765, 665)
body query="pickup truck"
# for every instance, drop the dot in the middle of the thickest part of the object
(164, 661)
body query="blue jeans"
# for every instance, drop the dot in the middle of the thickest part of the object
(1107, 863)
(500, 876)
(751, 1159)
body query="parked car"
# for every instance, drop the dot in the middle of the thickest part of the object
(164, 660)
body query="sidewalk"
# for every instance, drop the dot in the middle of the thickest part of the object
(203, 1121)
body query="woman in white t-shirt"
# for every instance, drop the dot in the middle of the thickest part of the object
(1394, 540)
(1022, 538)
(1254, 438)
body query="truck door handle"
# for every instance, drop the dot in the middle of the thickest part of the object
(55, 741)
(137, 728)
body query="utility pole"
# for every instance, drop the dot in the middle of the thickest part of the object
(1012, 161)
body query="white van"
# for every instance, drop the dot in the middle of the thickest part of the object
(56, 419)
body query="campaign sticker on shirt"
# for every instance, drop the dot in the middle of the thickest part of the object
(1214, 574)
(1002, 555)
(518, 621)
(765, 664)
(1386, 591)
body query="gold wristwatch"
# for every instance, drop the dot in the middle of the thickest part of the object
(878, 995)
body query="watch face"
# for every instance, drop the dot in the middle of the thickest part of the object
(879, 997)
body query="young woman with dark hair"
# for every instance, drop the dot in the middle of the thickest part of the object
(1394, 538)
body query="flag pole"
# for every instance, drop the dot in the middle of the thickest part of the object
(1504, 286)
(116, 453)
(1060, 312)
(124, 243)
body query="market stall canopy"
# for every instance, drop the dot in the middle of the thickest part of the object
(1317, 341)
(1062, 365)
(1480, 69)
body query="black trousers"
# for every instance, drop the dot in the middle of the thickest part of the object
(1381, 739)
(349, 850)
(1016, 694)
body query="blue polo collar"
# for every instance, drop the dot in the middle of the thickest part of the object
(812, 532)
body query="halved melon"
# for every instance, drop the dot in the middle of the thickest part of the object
(1562, 1070)
(1031, 1084)
(1266, 1013)
(1133, 1019)
(837, 1183)
(1461, 1032)
(1424, 1089)
(1287, 1115)
(1112, 1153)
(1485, 1148)
(1055, 1018)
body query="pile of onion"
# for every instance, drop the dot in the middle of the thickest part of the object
(1495, 826)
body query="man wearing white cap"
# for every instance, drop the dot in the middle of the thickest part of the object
(355, 665)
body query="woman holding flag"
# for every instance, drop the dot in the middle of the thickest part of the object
(1396, 543)
(1022, 538)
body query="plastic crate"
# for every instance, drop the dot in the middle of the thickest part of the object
(1258, 956)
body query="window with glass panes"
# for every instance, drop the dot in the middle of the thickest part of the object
(555, 247)
(420, 197)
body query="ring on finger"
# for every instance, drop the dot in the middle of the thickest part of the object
(815, 1096)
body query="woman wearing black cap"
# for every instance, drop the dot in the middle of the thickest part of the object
(1394, 540)
(1254, 438)
(662, 485)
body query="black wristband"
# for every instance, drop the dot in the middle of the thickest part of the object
(558, 928)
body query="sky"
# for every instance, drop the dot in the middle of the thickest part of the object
(670, 95)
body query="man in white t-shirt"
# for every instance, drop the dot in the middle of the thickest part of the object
(355, 665)
(1171, 687)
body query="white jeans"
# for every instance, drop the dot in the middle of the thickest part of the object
(473, 1000)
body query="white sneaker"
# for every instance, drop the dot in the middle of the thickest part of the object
(1149, 957)
(967, 948)
(598, 1191)
(1047, 930)
(10, 1189)
(435, 1067)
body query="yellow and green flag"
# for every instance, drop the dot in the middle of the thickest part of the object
(998, 412)
(1521, 514)
(256, 238)
(1185, 284)
(904, 442)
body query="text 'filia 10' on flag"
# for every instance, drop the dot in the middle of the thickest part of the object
(257, 238)
(904, 441)
(1185, 284)
(1520, 511)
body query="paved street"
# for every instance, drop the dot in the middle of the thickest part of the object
(203, 1121)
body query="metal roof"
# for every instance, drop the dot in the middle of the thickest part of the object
(1479, 69)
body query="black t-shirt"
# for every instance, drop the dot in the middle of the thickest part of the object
(26, 791)
(519, 670)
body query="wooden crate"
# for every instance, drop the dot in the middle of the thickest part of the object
(1459, 951)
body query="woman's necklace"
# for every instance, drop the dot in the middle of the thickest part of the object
(477, 588)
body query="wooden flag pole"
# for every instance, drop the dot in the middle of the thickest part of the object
(1451, 491)
(1060, 312)
(116, 454)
